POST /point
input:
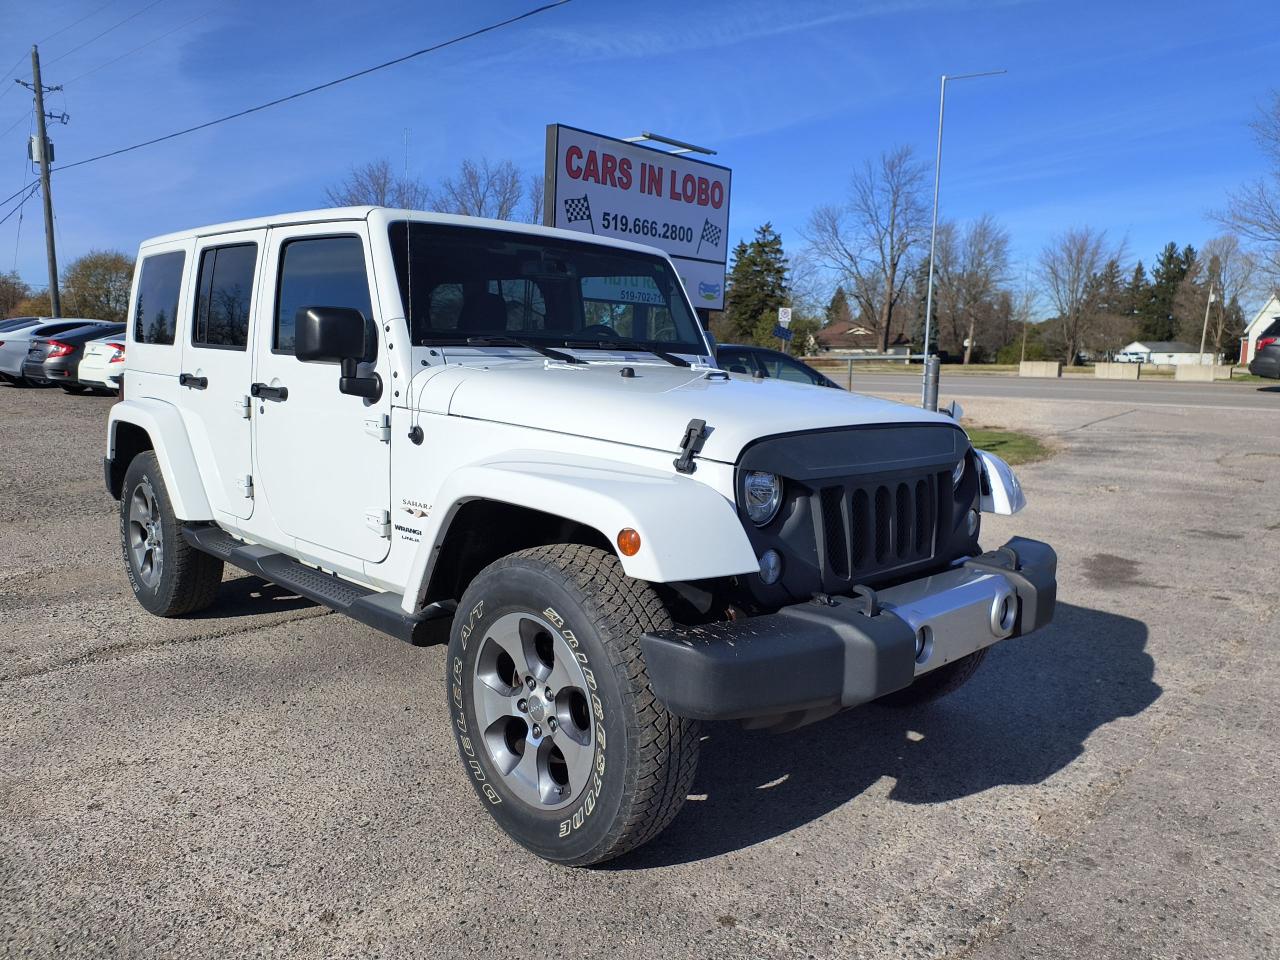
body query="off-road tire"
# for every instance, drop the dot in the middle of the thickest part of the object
(186, 580)
(937, 683)
(643, 766)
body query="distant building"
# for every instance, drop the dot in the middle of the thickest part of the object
(1269, 313)
(844, 339)
(1163, 351)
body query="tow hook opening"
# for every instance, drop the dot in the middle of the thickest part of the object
(1004, 613)
(924, 644)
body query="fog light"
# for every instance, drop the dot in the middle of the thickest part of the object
(973, 522)
(770, 567)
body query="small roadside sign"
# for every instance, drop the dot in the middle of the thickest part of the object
(782, 333)
(784, 316)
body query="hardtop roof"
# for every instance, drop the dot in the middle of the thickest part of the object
(382, 216)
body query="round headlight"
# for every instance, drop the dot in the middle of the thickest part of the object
(763, 495)
(958, 473)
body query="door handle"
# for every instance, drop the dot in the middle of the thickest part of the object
(264, 392)
(192, 381)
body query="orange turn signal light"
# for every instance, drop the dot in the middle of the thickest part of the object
(628, 542)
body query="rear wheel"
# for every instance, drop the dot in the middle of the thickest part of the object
(557, 726)
(168, 575)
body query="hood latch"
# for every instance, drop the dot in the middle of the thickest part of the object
(695, 434)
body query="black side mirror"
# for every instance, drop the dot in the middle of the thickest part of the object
(341, 335)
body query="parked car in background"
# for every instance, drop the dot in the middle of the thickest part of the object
(763, 362)
(18, 323)
(102, 364)
(15, 344)
(55, 359)
(1266, 353)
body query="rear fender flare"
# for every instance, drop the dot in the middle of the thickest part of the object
(163, 424)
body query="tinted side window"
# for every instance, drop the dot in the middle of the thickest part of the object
(1273, 330)
(784, 368)
(319, 272)
(156, 314)
(222, 306)
(735, 361)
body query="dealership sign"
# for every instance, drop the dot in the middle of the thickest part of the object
(612, 188)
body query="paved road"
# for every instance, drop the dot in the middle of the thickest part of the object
(269, 779)
(1155, 393)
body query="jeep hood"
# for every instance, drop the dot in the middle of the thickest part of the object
(652, 408)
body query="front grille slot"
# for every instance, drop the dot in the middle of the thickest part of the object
(873, 527)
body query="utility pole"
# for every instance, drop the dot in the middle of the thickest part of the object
(55, 302)
(1204, 330)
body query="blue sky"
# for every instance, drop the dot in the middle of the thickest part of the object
(1126, 116)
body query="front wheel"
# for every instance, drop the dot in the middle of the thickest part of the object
(557, 726)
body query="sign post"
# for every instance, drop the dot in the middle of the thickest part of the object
(612, 188)
(783, 330)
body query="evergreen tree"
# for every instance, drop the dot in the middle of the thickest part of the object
(838, 309)
(757, 287)
(1157, 320)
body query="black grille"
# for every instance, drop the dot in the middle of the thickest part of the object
(873, 527)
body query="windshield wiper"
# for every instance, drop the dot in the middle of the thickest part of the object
(527, 344)
(619, 344)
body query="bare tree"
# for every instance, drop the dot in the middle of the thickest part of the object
(481, 189)
(1069, 266)
(970, 265)
(869, 239)
(1253, 211)
(1224, 267)
(376, 184)
(537, 196)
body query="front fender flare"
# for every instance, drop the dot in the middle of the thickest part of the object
(688, 530)
(163, 424)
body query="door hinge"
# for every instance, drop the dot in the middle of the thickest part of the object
(379, 521)
(380, 428)
(244, 405)
(245, 485)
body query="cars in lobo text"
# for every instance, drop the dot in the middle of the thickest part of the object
(514, 437)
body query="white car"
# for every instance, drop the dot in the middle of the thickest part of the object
(15, 343)
(102, 364)
(516, 438)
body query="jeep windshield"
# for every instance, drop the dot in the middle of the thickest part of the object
(465, 285)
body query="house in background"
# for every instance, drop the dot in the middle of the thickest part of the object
(1163, 351)
(1248, 343)
(844, 339)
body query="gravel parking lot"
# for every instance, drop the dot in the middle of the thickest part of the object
(269, 779)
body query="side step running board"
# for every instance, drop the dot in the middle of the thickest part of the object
(371, 607)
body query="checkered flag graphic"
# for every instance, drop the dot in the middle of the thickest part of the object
(578, 208)
(710, 234)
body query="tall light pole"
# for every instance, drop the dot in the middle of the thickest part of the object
(929, 397)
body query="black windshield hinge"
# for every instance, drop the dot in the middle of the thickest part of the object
(695, 434)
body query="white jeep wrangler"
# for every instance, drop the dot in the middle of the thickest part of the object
(517, 436)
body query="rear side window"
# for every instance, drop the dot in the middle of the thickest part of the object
(1273, 330)
(225, 290)
(156, 313)
(319, 272)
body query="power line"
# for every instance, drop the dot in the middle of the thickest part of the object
(323, 86)
(132, 16)
(31, 192)
(55, 33)
(167, 33)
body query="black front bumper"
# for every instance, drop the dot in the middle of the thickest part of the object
(813, 658)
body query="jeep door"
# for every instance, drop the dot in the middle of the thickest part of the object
(217, 365)
(323, 458)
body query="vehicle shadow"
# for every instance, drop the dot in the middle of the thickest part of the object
(1275, 389)
(1024, 716)
(249, 596)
